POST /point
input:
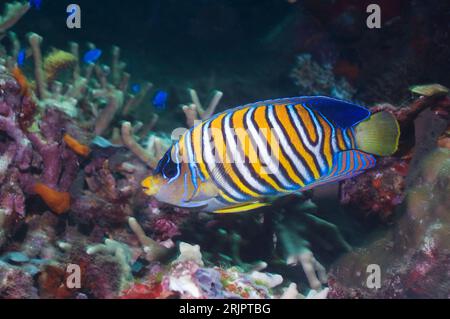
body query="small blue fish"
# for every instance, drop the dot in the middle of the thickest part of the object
(103, 142)
(160, 100)
(92, 55)
(136, 88)
(35, 3)
(21, 57)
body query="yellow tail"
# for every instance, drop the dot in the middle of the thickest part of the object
(378, 135)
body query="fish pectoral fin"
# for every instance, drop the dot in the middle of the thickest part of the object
(241, 208)
(204, 191)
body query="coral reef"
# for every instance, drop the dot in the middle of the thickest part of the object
(413, 255)
(74, 148)
(187, 277)
(13, 12)
(382, 189)
(194, 111)
(311, 78)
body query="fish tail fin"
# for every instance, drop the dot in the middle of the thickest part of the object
(378, 135)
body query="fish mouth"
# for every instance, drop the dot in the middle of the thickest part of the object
(149, 186)
(146, 190)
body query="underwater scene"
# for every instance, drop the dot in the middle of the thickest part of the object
(227, 149)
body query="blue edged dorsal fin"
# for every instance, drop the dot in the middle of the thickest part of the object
(342, 113)
(345, 165)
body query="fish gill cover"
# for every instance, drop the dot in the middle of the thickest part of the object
(81, 126)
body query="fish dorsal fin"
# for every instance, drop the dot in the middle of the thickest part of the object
(342, 113)
(345, 165)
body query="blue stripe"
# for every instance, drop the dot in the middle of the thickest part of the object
(320, 133)
(347, 140)
(191, 160)
(363, 160)
(177, 162)
(185, 187)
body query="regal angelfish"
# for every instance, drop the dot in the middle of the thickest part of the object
(237, 158)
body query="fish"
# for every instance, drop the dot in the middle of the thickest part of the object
(429, 89)
(35, 3)
(76, 146)
(135, 88)
(92, 56)
(21, 80)
(21, 57)
(58, 202)
(237, 159)
(160, 99)
(102, 142)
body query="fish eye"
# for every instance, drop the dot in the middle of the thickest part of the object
(170, 170)
(166, 166)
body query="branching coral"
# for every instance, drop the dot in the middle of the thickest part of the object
(157, 145)
(195, 112)
(298, 236)
(287, 233)
(188, 277)
(151, 158)
(94, 93)
(70, 196)
(44, 139)
(13, 12)
(153, 250)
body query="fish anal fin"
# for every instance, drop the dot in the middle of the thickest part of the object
(241, 208)
(346, 164)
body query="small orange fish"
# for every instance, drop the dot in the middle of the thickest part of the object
(22, 80)
(76, 146)
(58, 202)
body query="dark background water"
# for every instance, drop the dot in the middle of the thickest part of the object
(170, 42)
(247, 48)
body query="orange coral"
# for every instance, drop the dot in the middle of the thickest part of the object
(76, 146)
(59, 202)
(22, 80)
